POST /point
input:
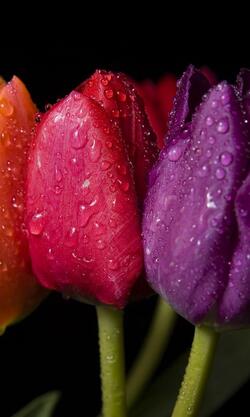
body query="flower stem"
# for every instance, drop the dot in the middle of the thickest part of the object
(197, 372)
(152, 350)
(110, 323)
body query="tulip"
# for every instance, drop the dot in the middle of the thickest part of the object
(158, 99)
(196, 219)
(87, 179)
(19, 291)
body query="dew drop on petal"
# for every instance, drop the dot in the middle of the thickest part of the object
(225, 98)
(105, 165)
(95, 150)
(109, 93)
(71, 237)
(37, 223)
(209, 121)
(6, 108)
(223, 125)
(211, 140)
(113, 264)
(78, 139)
(174, 153)
(220, 173)
(226, 158)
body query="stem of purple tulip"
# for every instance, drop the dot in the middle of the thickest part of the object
(152, 350)
(110, 323)
(197, 372)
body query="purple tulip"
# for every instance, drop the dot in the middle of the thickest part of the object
(197, 213)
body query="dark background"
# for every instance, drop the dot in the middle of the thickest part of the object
(56, 347)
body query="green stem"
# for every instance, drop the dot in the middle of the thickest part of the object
(197, 372)
(152, 350)
(110, 322)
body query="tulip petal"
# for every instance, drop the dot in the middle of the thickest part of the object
(191, 88)
(82, 205)
(19, 290)
(118, 96)
(235, 303)
(189, 210)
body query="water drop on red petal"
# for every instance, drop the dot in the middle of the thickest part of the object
(109, 93)
(37, 223)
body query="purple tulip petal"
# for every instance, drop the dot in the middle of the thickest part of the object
(188, 233)
(191, 88)
(235, 304)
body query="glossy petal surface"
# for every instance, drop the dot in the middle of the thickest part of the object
(19, 291)
(189, 222)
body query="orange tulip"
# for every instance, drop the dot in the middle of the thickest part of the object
(19, 291)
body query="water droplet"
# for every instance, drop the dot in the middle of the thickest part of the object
(112, 223)
(220, 173)
(105, 81)
(109, 144)
(122, 96)
(113, 264)
(210, 201)
(86, 183)
(116, 113)
(223, 125)
(226, 158)
(85, 214)
(37, 223)
(79, 139)
(99, 228)
(50, 254)
(58, 174)
(58, 189)
(100, 244)
(6, 108)
(124, 185)
(109, 93)
(8, 231)
(203, 134)
(209, 121)
(71, 237)
(76, 166)
(203, 172)
(225, 98)
(211, 140)
(47, 106)
(209, 153)
(113, 188)
(105, 165)
(243, 212)
(121, 169)
(214, 221)
(174, 153)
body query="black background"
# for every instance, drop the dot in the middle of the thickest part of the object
(56, 347)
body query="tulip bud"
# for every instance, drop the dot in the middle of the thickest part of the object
(196, 214)
(19, 291)
(88, 164)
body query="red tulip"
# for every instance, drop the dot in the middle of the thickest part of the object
(19, 291)
(158, 100)
(87, 178)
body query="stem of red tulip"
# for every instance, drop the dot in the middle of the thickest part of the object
(152, 350)
(197, 372)
(110, 323)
